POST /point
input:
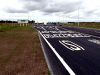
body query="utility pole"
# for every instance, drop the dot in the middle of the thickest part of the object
(78, 17)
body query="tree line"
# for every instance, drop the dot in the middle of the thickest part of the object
(10, 21)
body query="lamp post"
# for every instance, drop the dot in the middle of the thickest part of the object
(78, 17)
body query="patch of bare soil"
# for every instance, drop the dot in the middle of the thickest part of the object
(21, 54)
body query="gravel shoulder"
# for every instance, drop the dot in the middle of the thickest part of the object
(21, 53)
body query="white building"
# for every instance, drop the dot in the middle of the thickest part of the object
(23, 22)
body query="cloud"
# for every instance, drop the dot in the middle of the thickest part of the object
(47, 6)
(33, 0)
(64, 7)
(58, 8)
(28, 6)
(16, 11)
(34, 6)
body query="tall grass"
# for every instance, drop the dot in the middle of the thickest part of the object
(85, 25)
(7, 27)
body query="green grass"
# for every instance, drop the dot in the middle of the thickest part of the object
(49, 73)
(8, 28)
(19, 50)
(85, 25)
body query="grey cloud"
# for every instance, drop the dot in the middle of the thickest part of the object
(50, 10)
(90, 11)
(33, 0)
(28, 5)
(16, 11)
(48, 6)
(94, 12)
(34, 6)
(65, 7)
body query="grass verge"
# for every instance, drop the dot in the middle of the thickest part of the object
(85, 25)
(20, 52)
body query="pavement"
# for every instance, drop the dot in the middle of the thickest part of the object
(71, 50)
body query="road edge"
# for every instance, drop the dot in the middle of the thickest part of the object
(46, 58)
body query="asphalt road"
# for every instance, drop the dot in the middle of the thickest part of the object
(71, 51)
(94, 32)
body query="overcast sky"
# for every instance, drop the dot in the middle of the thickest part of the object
(50, 10)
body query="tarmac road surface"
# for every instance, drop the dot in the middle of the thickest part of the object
(71, 51)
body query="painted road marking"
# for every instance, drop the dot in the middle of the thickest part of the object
(64, 35)
(95, 41)
(43, 28)
(94, 36)
(57, 32)
(70, 31)
(56, 28)
(47, 60)
(70, 45)
(97, 31)
(59, 57)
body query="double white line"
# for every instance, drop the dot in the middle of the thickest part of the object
(59, 57)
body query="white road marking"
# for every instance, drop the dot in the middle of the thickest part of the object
(70, 45)
(84, 33)
(59, 57)
(43, 28)
(48, 63)
(97, 31)
(95, 41)
(57, 32)
(56, 28)
(68, 35)
(94, 36)
(88, 34)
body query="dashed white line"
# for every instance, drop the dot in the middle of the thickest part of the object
(94, 36)
(59, 57)
(43, 28)
(56, 28)
(97, 31)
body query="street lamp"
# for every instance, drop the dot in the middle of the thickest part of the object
(78, 17)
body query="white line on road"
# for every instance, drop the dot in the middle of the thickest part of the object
(59, 57)
(88, 34)
(97, 31)
(94, 36)
(48, 63)
(56, 28)
(44, 28)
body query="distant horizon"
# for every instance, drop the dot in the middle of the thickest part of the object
(47, 21)
(51, 10)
